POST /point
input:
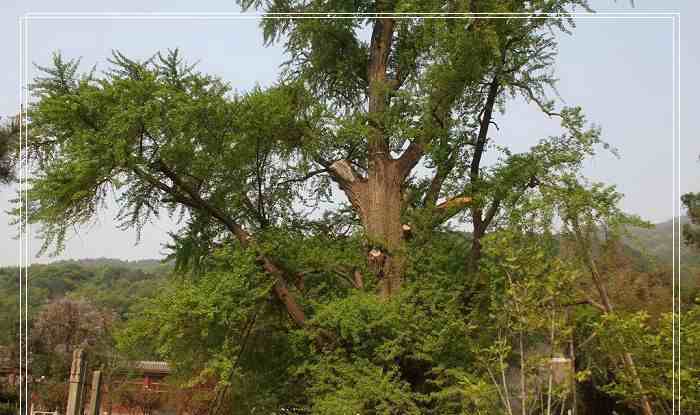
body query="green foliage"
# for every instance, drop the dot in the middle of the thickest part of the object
(652, 344)
(335, 359)
(143, 122)
(531, 289)
(201, 314)
(224, 312)
(360, 387)
(378, 357)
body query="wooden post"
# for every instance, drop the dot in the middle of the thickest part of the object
(95, 393)
(76, 383)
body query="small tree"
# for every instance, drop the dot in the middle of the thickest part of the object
(586, 214)
(529, 314)
(60, 327)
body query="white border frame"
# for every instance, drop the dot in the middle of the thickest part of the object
(25, 231)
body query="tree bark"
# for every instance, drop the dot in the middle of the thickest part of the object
(478, 221)
(475, 251)
(382, 213)
(383, 225)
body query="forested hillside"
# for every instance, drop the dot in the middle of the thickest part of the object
(107, 283)
(657, 241)
(656, 245)
(118, 285)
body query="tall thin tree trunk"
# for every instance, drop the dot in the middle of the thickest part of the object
(475, 252)
(607, 308)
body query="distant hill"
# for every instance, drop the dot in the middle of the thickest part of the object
(658, 243)
(656, 246)
(146, 265)
(108, 283)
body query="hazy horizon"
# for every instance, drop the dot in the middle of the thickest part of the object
(50, 260)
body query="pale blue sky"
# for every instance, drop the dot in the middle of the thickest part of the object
(619, 71)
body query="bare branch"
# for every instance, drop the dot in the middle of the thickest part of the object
(531, 94)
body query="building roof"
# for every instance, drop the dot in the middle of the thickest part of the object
(148, 366)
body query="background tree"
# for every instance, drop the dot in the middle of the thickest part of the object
(59, 328)
(530, 320)
(9, 140)
(586, 214)
(691, 234)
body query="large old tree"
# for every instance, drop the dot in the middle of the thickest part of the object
(399, 119)
(332, 190)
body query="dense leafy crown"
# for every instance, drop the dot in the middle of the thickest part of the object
(165, 136)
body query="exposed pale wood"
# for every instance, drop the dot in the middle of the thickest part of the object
(343, 170)
(95, 393)
(407, 231)
(455, 203)
(76, 383)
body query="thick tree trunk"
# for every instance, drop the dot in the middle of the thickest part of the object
(382, 223)
(381, 214)
(377, 199)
